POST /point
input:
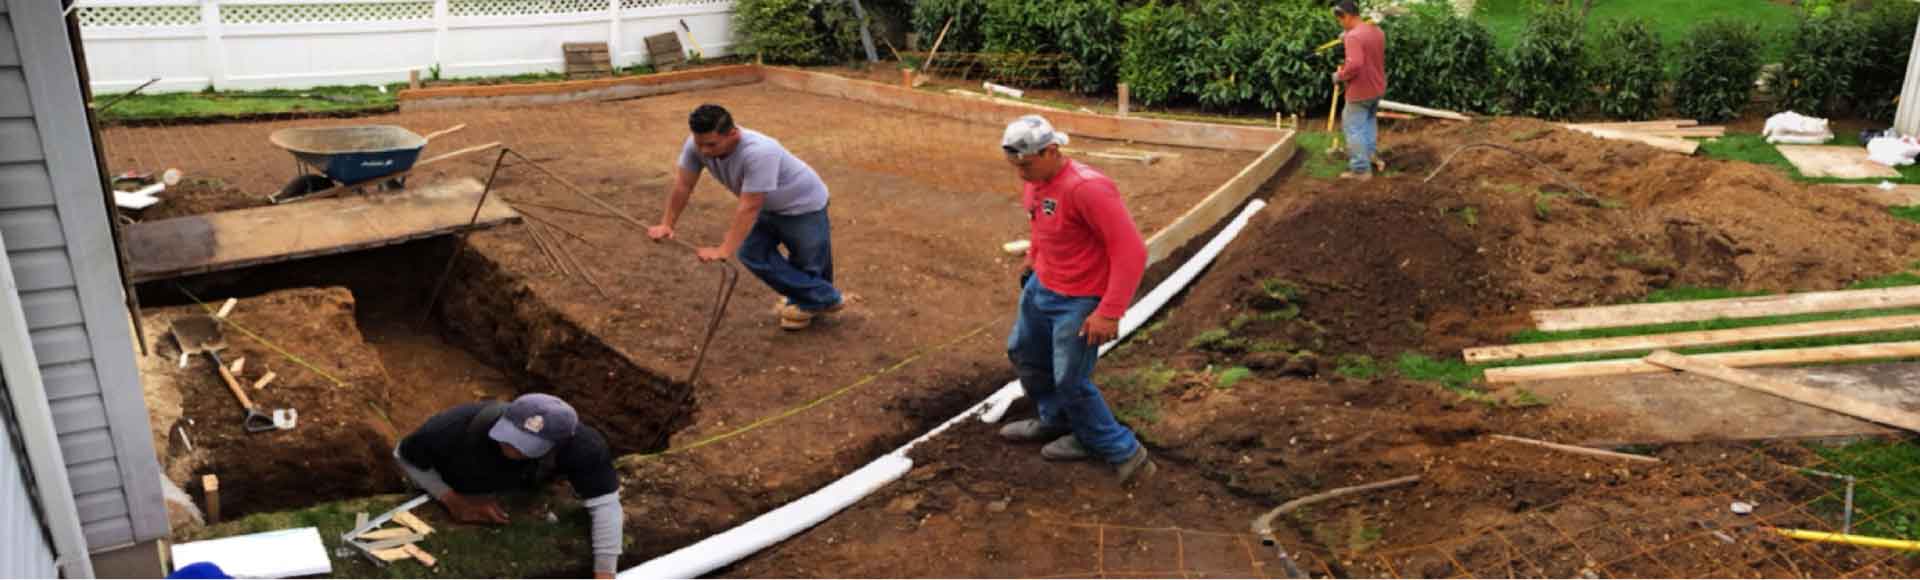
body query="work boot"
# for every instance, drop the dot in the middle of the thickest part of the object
(1067, 448)
(1032, 430)
(1136, 468)
(1356, 176)
(793, 318)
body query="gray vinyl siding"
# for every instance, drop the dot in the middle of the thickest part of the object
(53, 219)
(24, 552)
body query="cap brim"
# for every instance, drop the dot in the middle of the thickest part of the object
(529, 444)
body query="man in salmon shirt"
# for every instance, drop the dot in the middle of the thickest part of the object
(1084, 264)
(1366, 76)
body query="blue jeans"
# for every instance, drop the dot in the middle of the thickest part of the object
(805, 274)
(1055, 365)
(1360, 123)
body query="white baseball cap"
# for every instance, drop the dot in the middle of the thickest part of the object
(1030, 135)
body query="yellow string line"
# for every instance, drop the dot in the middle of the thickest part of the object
(256, 338)
(823, 399)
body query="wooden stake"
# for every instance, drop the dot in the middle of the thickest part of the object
(1792, 391)
(421, 555)
(1576, 449)
(412, 522)
(906, 77)
(227, 308)
(413, 79)
(1126, 98)
(210, 485)
(265, 380)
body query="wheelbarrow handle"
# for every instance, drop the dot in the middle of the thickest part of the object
(445, 131)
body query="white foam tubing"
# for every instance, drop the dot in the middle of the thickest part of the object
(789, 520)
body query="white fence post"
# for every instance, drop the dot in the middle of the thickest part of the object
(613, 36)
(216, 47)
(439, 35)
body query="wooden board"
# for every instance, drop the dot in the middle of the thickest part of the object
(235, 239)
(1755, 358)
(412, 522)
(1423, 111)
(1221, 203)
(425, 558)
(1681, 146)
(386, 534)
(392, 554)
(1654, 124)
(1828, 400)
(1843, 162)
(664, 49)
(1690, 339)
(1899, 195)
(1748, 307)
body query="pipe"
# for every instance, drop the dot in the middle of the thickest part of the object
(786, 521)
(1867, 541)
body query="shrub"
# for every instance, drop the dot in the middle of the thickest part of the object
(1439, 59)
(1084, 31)
(1888, 32)
(930, 17)
(1289, 75)
(1220, 72)
(1544, 70)
(797, 31)
(1625, 66)
(1818, 75)
(1154, 60)
(1716, 69)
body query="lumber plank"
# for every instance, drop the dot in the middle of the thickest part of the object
(387, 534)
(1656, 123)
(1681, 146)
(1221, 203)
(1824, 399)
(1690, 339)
(412, 522)
(265, 380)
(425, 558)
(391, 554)
(1755, 358)
(1423, 111)
(1576, 449)
(1748, 307)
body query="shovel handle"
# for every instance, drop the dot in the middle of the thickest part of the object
(234, 385)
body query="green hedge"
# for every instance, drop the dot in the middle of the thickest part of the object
(1888, 29)
(1087, 32)
(931, 16)
(1817, 76)
(1545, 74)
(1440, 59)
(798, 31)
(1717, 67)
(1154, 60)
(1625, 70)
(1230, 54)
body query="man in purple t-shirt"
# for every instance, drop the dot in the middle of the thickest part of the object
(782, 203)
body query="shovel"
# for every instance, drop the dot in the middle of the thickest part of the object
(201, 335)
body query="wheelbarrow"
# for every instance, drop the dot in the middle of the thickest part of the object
(201, 335)
(331, 160)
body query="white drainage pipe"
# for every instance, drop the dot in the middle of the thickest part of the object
(789, 520)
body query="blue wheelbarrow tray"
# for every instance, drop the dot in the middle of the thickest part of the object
(351, 155)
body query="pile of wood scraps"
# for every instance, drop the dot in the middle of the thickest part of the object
(392, 544)
(1723, 366)
(1667, 134)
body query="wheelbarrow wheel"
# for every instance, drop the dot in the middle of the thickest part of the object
(305, 184)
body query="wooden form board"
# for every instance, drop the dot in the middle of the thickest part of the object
(1691, 339)
(1221, 203)
(236, 239)
(439, 98)
(1824, 399)
(1163, 132)
(1748, 307)
(1756, 358)
(1681, 146)
(1838, 161)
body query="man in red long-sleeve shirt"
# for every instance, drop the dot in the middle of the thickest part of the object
(1365, 73)
(1086, 260)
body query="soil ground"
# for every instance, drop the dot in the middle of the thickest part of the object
(921, 207)
(1305, 309)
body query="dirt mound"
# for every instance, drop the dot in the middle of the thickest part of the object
(342, 444)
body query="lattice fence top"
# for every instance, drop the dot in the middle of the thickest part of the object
(633, 4)
(333, 12)
(138, 16)
(523, 7)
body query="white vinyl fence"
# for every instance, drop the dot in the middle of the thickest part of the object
(260, 44)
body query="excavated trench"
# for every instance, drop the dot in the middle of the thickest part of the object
(352, 351)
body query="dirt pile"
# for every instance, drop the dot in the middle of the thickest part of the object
(342, 444)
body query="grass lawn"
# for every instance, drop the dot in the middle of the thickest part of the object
(1753, 148)
(529, 547)
(1670, 19)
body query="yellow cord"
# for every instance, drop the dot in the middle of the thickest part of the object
(256, 338)
(837, 393)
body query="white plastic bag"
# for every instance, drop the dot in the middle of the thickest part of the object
(1893, 152)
